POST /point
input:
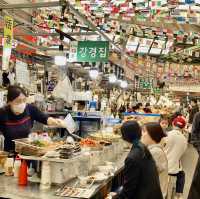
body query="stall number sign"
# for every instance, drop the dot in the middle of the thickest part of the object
(89, 51)
(8, 37)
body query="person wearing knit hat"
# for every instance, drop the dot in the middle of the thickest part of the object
(140, 169)
(175, 147)
(179, 122)
(152, 135)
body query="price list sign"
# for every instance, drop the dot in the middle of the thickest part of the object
(90, 51)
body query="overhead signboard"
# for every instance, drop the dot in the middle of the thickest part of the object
(89, 51)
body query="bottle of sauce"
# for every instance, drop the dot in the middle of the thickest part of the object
(17, 165)
(23, 174)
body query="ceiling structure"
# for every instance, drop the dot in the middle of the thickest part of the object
(168, 30)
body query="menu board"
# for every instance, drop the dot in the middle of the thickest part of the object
(132, 44)
(144, 45)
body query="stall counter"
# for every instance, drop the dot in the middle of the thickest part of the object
(10, 189)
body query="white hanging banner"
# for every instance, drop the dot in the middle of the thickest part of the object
(22, 73)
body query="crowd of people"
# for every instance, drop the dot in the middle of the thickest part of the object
(156, 153)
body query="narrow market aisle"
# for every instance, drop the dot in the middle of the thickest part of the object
(189, 165)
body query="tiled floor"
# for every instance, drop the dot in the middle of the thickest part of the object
(189, 163)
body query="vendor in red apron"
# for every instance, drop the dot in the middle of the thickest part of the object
(17, 117)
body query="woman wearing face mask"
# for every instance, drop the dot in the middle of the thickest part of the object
(17, 117)
(141, 179)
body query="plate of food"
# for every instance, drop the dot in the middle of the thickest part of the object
(90, 143)
(73, 192)
(98, 177)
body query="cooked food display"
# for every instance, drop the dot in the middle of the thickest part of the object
(89, 143)
(105, 136)
(72, 192)
(68, 150)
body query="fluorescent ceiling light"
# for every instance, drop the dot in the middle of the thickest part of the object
(54, 47)
(60, 60)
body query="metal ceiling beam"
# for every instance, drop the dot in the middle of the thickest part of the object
(55, 34)
(30, 5)
(92, 26)
(21, 21)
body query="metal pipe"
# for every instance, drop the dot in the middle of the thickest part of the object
(21, 20)
(30, 5)
(56, 34)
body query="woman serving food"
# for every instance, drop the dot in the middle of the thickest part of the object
(17, 117)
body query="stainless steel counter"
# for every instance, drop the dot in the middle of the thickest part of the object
(9, 187)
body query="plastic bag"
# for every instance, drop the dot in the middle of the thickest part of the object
(64, 90)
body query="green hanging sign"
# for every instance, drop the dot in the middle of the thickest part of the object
(89, 51)
(156, 90)
(145, 84)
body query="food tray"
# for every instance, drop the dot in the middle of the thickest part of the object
(23, 147)
(91, 144)
(74, 192)
(105, 136)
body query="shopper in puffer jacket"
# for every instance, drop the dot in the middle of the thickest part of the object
(152, 135)
(141, 179)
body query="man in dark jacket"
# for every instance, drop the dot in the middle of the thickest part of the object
(193, 111)
(141, 179)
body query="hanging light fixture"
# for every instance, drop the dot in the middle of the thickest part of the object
(123, 84)
(112, 77)
(60, 60)
(93, 73)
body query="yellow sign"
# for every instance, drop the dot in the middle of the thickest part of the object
(8, 37)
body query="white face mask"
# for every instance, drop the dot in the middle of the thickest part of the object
(19, 108)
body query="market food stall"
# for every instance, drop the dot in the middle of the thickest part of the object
(103, 62)
(70, 170)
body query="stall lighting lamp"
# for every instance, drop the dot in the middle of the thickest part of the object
(112, 78)
(123, 84)
(60, 60)
(93, 73)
